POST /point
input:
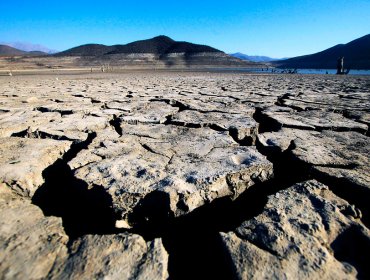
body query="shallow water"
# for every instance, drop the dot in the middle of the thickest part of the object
(299, 71)
(332, 71)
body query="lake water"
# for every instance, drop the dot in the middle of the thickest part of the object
(299, 71)
(332, 71)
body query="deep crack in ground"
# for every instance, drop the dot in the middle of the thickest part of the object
(192, 241)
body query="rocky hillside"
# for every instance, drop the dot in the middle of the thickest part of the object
(356, 56)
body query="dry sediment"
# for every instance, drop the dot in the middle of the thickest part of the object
(127, 167)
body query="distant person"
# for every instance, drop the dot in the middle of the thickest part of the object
(340, 65)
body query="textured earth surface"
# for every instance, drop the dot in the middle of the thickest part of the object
(150, 175)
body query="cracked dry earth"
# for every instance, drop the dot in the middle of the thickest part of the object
(184, 176)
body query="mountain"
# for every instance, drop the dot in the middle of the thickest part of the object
(157, 52)
(29, 47)
(9, 51)
(87, 50)
(36, 53)
(356, 56)
(160, 45)
(160, 52)
(255, 58)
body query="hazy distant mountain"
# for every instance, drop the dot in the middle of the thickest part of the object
(255, 58)
(10, 51)
(356, 56)
(160, 45)
(29, 47)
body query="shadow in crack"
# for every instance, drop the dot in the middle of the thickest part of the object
(193, 241)
(292, 169)
(353, 247)
(350, 191)
(82, 210)
(266, 124)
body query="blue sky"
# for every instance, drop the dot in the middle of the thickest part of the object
(275, 28)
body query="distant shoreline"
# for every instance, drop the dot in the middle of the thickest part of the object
(87, 70)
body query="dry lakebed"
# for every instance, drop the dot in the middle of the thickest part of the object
(184, 175)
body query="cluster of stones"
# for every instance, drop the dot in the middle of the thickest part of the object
(185, 140)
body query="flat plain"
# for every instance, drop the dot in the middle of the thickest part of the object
(155, 174)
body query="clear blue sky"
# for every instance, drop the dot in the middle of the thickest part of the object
(274, 28)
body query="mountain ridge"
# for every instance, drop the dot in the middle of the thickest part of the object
(356, 55)
(6, 50)
(159, 45)
(254, 58)
(29, 47)
(157, 52)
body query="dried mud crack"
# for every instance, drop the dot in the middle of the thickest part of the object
(185, 176)
(83, 210)
(199, 232)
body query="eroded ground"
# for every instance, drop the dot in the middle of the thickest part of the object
(184, 175)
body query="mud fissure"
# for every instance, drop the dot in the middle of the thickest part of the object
(115, 122)
(285, 164)
(265, 124)
(82, 210)
(38, 134)
(48, 110)
(195, 248)
(352, 246)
